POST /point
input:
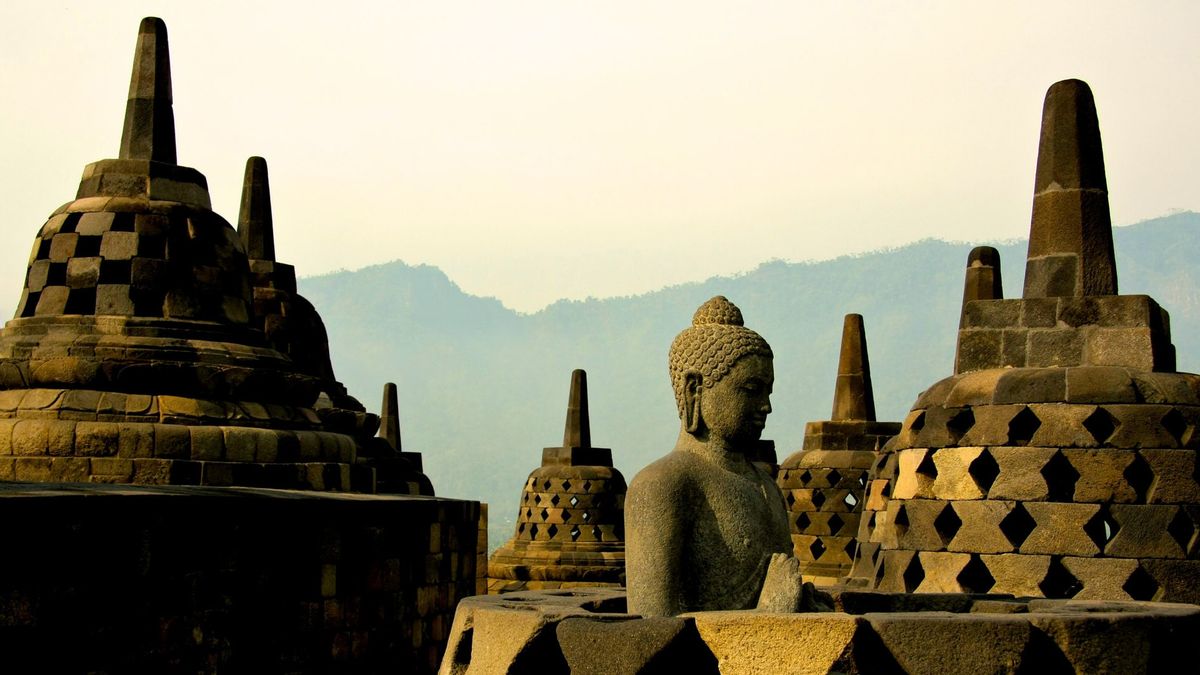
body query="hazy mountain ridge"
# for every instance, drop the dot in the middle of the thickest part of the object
(483, 388)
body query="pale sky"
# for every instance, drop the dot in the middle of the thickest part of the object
(540, 150)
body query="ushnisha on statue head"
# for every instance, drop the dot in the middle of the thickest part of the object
(722, 376)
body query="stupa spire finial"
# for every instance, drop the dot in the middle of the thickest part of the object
(255, 224)
(852, 397)
(149, 131)
(578, 433)
(1070, 237)
(389, 417)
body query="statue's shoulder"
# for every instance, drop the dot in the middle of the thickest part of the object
(670, 474)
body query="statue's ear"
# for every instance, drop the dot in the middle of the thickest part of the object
(693, 388)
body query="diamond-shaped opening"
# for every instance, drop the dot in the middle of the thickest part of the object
(975, 577)
(871, 521)
(880, 568)
(984, 470)
(789, 499)
(817, 548)
(1140, 477)
(528, 514)
(537, 499)
(927, 467)
(918, 422)
(850, 500)
(566, 486)
(1101, 528)
(1059, 582)
(834, 477)
(546, 485)
(805, 477)
(1175, 424)
(1101, 424)
(596, 532)
(1060, 478)
(587, 485)
(913, 575)
(1017, 525)
(851, 548)
(544, 514)
(947, 524)
(900, 522)
(520, 528)
(533, 530)
(802, 522)
(862, 480)
(554, 500)
(552, 530)
(1182, 529)
(574, 500)
(958, 425)
(878, 466)
(818, 498)
(1022, 427)
(575, 532)
(524, 497)
(1141, 586)
(587, 516)
(835, 524)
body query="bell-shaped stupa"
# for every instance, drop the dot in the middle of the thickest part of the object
(136, 354)
(571, 523)
(823, 484)
(1060, 458)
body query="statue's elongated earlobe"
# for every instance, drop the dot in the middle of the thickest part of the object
(692, 392)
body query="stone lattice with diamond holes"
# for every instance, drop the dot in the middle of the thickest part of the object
(823, 491)
(570, 531)
(1056, 499)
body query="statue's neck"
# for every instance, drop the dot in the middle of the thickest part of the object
(713, 450)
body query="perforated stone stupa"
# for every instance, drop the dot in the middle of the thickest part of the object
(1060, 458)
(571, 523)
(137, 352)
(823, 484)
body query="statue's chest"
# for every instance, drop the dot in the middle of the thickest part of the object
(745, 519)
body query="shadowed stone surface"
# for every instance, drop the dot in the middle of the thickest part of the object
(1059, 460)
(704, 521)
(255, 224)
(149, 120)
(571, 524)
(198, 579)
(823, 484)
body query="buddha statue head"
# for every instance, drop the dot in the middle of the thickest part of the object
(722, 375)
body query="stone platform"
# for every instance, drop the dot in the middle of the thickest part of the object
(588, 631)
(166, 579)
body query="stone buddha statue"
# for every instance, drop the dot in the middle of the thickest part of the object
(706, 529)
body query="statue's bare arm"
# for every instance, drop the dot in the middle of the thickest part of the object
(655, 543)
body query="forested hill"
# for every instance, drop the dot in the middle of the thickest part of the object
(483, 388)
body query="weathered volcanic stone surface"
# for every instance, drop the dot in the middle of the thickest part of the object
(589, 629)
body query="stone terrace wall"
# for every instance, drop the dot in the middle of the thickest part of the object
(105, 578)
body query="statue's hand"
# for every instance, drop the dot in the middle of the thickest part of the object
(785, 591)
